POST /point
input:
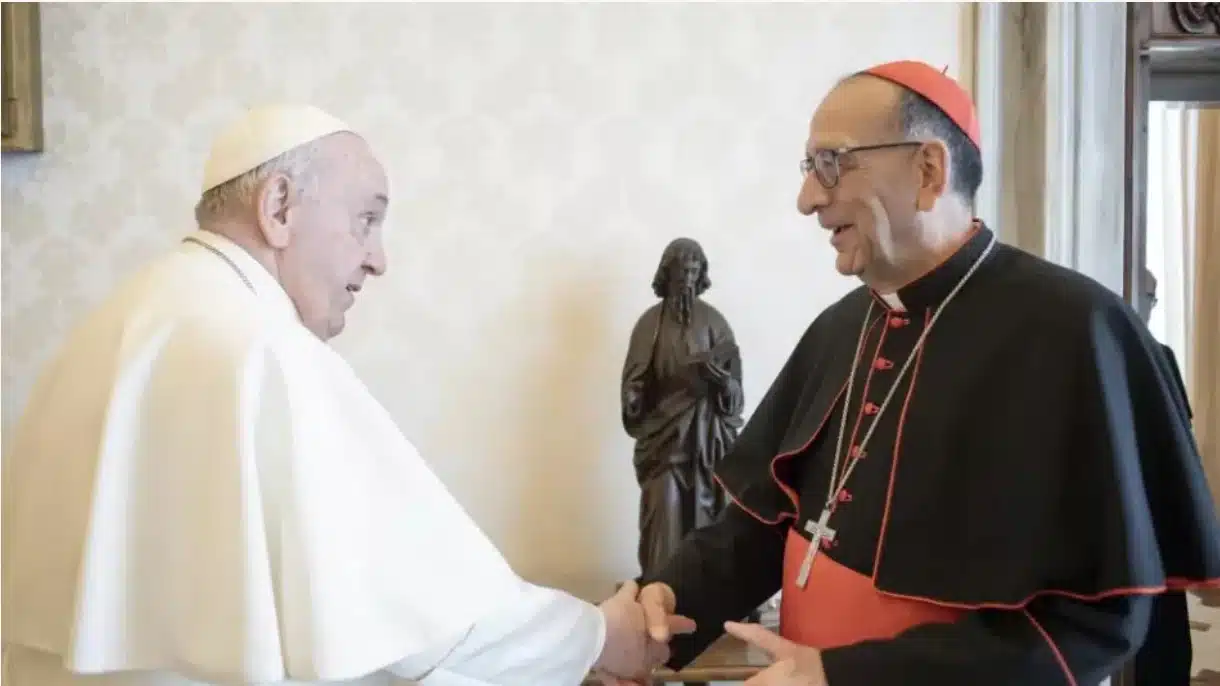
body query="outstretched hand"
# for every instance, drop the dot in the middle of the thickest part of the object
(793, 664)
(630, 653)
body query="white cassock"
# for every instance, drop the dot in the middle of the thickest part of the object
(201, 491)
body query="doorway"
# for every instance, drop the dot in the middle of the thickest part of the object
(1173, 144)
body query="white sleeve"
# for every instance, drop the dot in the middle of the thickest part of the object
(547, 638)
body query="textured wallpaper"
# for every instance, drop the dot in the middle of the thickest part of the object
(540, 158)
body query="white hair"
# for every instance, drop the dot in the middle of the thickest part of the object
(881, 225)
(933, 228)
(238, 193)
(946, 220)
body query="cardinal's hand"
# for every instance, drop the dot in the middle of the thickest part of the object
(630, 653)
(659, 604)
(794, 664)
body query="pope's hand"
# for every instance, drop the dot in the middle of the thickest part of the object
(629, 653)
(794, 664)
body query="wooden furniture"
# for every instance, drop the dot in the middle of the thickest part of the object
(728, 659)
(22, 76)
(1208, 677)
(1210, 597)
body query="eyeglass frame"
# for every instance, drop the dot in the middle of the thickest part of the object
(809, 164)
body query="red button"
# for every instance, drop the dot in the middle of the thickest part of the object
(882, 363)
(871, 408)
(844, 496)
(897, 322)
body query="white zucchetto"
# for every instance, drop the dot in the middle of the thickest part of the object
(263, 134)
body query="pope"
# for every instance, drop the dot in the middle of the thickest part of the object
(202, 491)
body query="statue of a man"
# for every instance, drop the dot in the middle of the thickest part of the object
(681, 402)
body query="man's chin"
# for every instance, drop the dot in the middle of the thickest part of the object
(335, 326)
(847, 265)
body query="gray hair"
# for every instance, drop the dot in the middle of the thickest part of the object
(919, 119)
(238, 193)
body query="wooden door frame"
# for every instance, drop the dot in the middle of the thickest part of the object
(1168, 44)
(1139, 77)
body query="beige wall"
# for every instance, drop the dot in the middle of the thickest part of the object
(540, 158)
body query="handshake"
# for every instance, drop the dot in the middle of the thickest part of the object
(639, 625)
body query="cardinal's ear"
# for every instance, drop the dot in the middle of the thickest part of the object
(931, 174)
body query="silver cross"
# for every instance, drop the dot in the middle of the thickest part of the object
(821, 531)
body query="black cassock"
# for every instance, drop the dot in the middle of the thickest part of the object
(1166, 657)
(1032, 486)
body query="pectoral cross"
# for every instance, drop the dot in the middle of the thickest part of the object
(820, 531)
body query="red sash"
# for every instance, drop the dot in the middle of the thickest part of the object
(839, 607)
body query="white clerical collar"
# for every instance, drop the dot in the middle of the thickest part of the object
(894, 302)
(260, 280)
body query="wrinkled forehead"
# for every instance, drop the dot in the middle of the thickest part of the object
(355, 168)
(362, 162)
(860, 110)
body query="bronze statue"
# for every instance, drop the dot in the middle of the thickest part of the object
(681, 402)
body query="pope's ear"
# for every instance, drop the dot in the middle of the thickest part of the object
(272, 204)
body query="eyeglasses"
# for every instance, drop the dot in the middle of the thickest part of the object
(825, 163)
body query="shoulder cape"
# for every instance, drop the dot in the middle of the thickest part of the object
(201, 486)
(1047, 448)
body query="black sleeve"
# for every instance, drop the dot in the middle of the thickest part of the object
(1166, 656)
(1054, 641)
(722, 572)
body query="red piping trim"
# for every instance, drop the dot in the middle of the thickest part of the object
(792, 495)
(852, 456)
(788, 491)
(743, 508)
(1050, 642)
(1171, 583)
(889, 489)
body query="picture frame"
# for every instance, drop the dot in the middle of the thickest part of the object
(22, 77)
